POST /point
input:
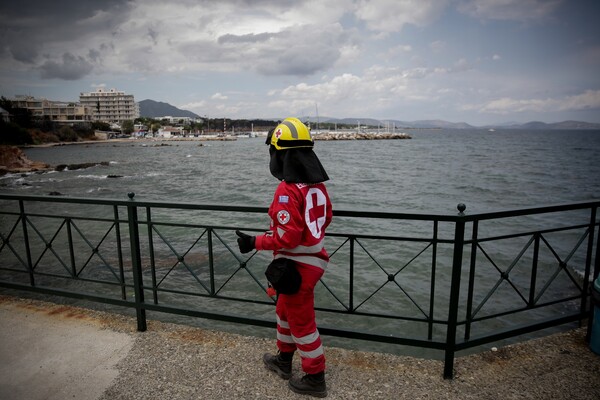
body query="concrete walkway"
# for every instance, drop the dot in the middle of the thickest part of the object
(50, 351)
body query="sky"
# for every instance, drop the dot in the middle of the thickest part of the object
(475, 61)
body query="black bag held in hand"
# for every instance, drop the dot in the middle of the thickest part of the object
(283, 276)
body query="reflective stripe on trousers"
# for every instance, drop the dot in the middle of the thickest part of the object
(296, 326)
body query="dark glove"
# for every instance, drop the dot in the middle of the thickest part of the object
(245, 242)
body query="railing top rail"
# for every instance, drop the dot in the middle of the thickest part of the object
(533, 210)
(339, 213)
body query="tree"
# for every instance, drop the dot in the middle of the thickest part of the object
(100, 126)
(67, 134)
(155, 127)
(127, 127)
(13, 134)
(20, 116)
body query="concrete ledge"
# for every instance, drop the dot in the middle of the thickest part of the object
(54, 351)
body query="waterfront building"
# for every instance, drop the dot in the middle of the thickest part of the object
(111, 106)
(55, 111)
(170, 131)
(178, 120)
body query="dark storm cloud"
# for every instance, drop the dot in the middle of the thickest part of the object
(153, 35)
(30, 28)
(70, 68)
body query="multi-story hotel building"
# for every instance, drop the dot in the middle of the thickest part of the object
(110, 106)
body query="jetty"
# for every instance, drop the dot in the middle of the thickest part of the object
(360, 136)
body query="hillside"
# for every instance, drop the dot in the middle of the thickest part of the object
(400, 124)
(558, 125)
(155, 109)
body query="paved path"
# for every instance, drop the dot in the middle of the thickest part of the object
(50, 351)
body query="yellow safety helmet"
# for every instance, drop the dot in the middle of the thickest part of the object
(291, 133)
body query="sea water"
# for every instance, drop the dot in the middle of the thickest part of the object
(430, 173)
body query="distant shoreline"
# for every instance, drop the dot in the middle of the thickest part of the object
(127, 140)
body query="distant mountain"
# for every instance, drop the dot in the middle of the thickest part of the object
(155, 109)
(440, 124)
(436, 123)
(557, 125)
(348, 121)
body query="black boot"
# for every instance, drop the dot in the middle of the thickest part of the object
(280, 363)
(311, 384)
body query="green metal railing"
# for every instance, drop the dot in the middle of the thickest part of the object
(442, 282)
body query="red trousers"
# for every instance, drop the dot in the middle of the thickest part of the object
(296, 326)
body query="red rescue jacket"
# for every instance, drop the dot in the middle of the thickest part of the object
(299, 213)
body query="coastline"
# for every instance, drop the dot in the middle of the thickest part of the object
(127, 140)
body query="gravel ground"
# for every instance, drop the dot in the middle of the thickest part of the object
(171, 361)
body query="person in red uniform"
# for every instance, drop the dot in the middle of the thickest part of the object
(300, 213)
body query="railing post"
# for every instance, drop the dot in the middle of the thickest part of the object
(136, 264)
(71, 250)
(351, 289)
(459, 239)
(120, 253)
(594, 273)
(26, 239)
(152, 259)
(471, 279)
(211, 262)
(432, 286)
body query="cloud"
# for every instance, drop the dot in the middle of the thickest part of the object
(462, 65)
(51, 35)
(196, 105)
(218, 96)
(437, 46)
(377, 88)
(299, 50)
(392, 15)
(271, 38)
(518, 10)
(589, 100)
(70, 68)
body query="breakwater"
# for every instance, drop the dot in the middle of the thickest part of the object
(360, 136)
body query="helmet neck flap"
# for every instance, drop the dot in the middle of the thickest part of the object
(299, 165)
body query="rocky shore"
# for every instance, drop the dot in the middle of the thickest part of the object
(13, 160)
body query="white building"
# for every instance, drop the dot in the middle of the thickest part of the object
(110, 106)
(177, 120)
(170, 131)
